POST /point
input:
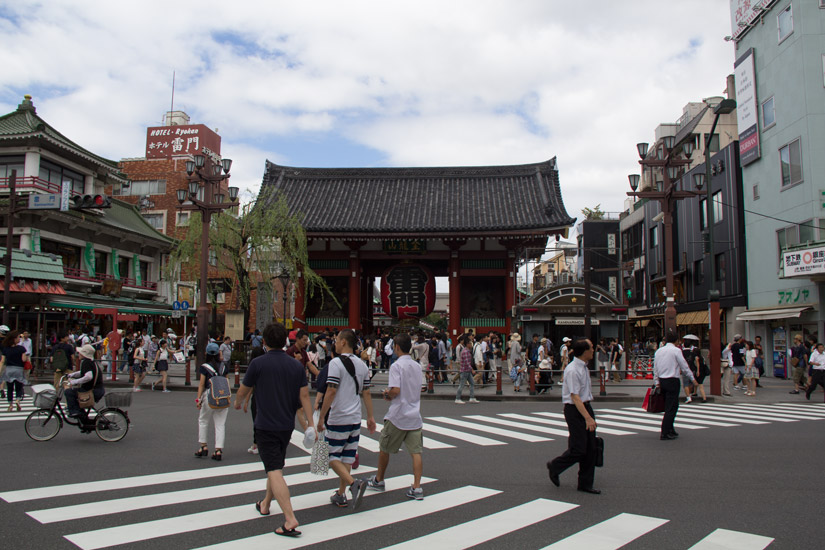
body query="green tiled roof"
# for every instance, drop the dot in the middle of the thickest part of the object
(24, 123)
(40, 267)
(123, 216)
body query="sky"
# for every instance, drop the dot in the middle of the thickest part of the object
(374, 83)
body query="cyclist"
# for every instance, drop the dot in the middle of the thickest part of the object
(88, 378)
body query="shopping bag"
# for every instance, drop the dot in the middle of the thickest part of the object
(178, 357)
(319, 463)
(654, 400)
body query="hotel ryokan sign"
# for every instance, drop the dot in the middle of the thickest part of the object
(191, 139)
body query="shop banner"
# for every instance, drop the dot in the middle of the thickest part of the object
(136, 265)
(115, 266)
(35, 240)
(89, 257)
(798, 263)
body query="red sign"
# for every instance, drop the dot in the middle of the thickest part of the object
(114, 340)
(408, 291)
(168, 141)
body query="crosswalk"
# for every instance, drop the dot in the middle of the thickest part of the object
(114, 519)
(26, 407)
(442, 432)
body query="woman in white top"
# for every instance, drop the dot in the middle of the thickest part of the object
(751, 372)
(161, 364)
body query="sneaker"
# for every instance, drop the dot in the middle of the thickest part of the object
(136, 390)
(689, 399)
(376, 485)
(473, 400)
(309, 437)
(459, 402)
(253, 450)
(737, 388)
(415, 493)
(339, 500)
(358, 488)
(166, 391)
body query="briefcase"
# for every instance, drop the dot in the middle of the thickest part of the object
(654, 400)
(599, 452)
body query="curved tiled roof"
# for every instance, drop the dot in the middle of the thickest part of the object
(442, 201)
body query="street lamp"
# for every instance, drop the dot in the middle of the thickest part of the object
(671, 159)
(724, 107)
(205, 176)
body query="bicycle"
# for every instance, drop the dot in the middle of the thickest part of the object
(109, 423)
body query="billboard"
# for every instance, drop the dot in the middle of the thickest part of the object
(747, 109)
(810, 261)
(168, 141)
(745, 12)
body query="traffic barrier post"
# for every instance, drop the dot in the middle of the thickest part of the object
(237, 374)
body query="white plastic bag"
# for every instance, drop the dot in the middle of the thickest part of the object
(319, 462)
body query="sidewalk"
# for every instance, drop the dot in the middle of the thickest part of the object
(627, 391)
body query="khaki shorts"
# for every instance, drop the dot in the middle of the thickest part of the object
(392, 438)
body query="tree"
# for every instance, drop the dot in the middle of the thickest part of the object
(250, 249)
(593, 213)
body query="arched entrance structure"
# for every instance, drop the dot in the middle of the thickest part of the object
(469, 224)
(558, 311)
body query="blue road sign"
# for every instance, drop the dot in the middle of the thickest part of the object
(175, 305)
(184, 305)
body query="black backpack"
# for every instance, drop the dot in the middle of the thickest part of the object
(432, 356)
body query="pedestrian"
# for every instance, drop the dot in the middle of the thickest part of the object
(61, 357)
(421, 353)
(13, 374)
(668, 363)
(466, 370)
(751, 372)
(139, 366)
(213, 367)
(799, 362)
(257, 341)
(161, 364)
(279, 383)
(348, 380)
(515, 360)
(699, 367)
(737, 355)
(565, 353)
(760, 358)
(614, 354)
(817, 363)
(402, 423)
(727, 370)
(226, 352)
(687, 352)
(581, 421)
(88, 378)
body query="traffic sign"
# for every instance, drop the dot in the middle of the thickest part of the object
(175, 305)
(177, 314)
(184, 305)
(40, 201)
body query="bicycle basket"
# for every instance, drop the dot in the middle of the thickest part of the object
(119, 399)
(45, 399)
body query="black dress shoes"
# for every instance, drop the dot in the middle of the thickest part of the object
(674, 434)
(668, 437)
(554, 478)
(590, 490)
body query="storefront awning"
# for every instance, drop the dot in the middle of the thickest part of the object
(30, 287)
(692, 318)
(775, 313)
(139, 311)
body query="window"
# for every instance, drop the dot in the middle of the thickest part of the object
(703, 213)
(57, 175)
(654, 236)
(101, 266)
(213, 258)
(785, 237)
(182, 219)
(123, 263)
(790, 160)
(806, 232)
(721, 269)
(71, 254)
(714, 142)
(699, 272)
(144, 272)
(784, 23)
(768, 113)
(7, 164)
(718, 207)
(756, 192)
(155, 220)
(822, 229)
(141, 188)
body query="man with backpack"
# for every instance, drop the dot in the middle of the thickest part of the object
(61, 357)
(348, 380)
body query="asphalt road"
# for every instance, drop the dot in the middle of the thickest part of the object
(756, 479)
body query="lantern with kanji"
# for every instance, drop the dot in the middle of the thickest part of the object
(408, 291)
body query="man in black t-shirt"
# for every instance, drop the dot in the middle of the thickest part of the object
(280, 385)
(737, 356)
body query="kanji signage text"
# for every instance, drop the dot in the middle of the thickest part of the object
(168, 141)
(804, 262)
(408, 291)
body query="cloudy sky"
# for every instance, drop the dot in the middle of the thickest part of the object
(374, 83)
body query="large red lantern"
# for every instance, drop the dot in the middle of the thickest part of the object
(408, 291)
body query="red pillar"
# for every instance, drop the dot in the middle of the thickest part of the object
(354, 292)
(455, 298)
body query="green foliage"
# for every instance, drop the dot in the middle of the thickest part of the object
(593, 213)
(250, 249)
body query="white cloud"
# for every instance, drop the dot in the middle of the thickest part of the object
(422, 83)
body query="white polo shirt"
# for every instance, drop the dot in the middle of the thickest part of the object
(576, 380)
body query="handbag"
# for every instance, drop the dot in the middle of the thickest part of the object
(319, 461)
(27, 365)
(86, 399)
(654, 401)
(599, 452)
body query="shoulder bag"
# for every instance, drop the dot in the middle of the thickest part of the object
(86, 399)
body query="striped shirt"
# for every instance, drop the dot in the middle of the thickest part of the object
(466, 360)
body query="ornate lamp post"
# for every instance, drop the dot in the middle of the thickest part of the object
(671, 159)
(204, 195)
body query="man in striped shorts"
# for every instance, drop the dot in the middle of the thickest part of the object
(347, 378)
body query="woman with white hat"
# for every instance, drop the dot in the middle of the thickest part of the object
(14, 356)
(88, 378)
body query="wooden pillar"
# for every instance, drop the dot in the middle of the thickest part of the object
(354, 291)
(299, 314)
(455, 297)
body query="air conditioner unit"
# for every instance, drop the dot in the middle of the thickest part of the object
(621, 317)
(526, 318)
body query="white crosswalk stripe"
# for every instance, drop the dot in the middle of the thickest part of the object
(470, 529)
(658, 417)
(469, 438)
(645, 421)
(489, 429)
(561, 424)
(429, 443)
(749, 409)
(607, 422)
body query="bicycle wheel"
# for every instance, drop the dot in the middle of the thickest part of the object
(111, 425)
(43, 424)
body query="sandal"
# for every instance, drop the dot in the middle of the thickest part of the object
(202, 452)
(258, 508)
(217, 455)
(287, 532)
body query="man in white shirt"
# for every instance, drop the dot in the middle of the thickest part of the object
(817, 363)
(581, 421)
(668, 364)
(348, 380)
(403, 423)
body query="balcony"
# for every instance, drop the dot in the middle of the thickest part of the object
(31, 184)
(83, 275)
